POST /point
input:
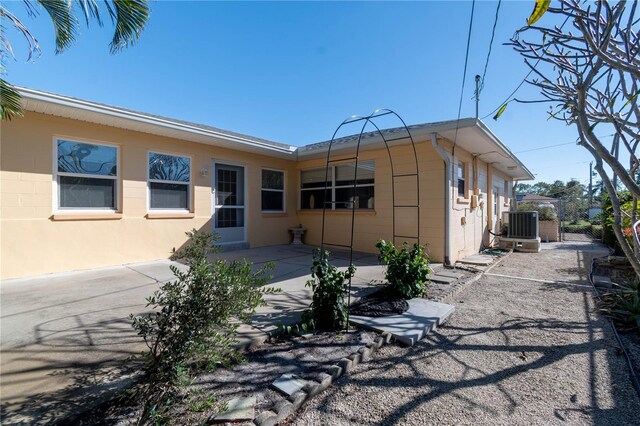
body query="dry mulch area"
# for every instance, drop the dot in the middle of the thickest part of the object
(207, 394)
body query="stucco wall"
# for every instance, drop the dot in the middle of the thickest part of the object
(373, 225)
(469, 225)
(33, 243)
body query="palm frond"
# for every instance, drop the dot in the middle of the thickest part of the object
(64, 22)
(10, 105)
(22, 29)
(91, 10)
(130, 17)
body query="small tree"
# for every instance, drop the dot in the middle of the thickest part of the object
(328, 309)
(194, 318)
(589, 74)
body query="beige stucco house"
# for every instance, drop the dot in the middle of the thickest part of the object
(87, 185)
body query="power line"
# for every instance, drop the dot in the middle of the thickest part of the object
(535, 169)
(560, 144)
(508, 98)
(464, 74)
(493, 34)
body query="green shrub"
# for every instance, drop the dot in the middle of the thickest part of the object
(195, 317)
(407, 269)
(596, 231)
(544, 213)
(580, 227)
(623, 305)
(328, 310)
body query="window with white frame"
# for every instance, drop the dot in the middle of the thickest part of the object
(169, 182)
(340, 187)
(462, 179)
(272, 190)
(86, 175)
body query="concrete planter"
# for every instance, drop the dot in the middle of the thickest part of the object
(549, 230)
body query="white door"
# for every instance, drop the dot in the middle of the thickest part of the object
(229, 203)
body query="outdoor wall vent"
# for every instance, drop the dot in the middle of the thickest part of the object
(522, 225)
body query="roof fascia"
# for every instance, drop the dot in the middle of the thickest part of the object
(91, 107)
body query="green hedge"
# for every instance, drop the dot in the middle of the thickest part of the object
(583, 228)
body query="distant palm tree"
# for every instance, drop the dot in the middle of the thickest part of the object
(128, 17)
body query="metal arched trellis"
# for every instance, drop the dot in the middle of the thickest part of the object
(405, 134)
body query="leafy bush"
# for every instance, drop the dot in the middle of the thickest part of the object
(623, 305)
(407, 269)
(544, 213)
(328, 310)
(195, 317)
(626, 204)
(596, 231)
(581, 227)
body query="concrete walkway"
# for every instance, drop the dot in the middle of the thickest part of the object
(526, 346)
(64, 336)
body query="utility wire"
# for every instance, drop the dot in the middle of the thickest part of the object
(508, 98)
(464, 74)
(535, 169)
(493, 34)
(560, 144)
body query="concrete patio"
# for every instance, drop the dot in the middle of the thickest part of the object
(64, 336)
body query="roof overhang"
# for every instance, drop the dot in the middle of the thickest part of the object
(470, 134)
(77, 109)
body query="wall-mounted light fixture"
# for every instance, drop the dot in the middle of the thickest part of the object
(204, 172)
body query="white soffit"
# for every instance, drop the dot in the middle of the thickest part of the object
(480, 142)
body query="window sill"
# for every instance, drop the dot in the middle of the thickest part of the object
(362, 212)
(461, 200)
(274, 214)
(179, 215)
(93, 216)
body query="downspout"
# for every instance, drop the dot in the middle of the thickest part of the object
(447, 198)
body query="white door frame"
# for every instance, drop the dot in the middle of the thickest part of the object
(495, 206)
(214, 206)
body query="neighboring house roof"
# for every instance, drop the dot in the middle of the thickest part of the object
(470, 134)
(536, 197)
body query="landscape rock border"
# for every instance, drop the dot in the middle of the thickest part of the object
(285, 407)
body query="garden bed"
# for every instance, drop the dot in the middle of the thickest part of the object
(620, 271)
(304, 356)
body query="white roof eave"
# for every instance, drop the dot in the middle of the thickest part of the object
(472, 135)
(37, 101)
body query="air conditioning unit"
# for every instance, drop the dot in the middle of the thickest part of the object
(522, 225)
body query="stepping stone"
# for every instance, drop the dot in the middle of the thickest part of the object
(411, 326)
(601, 281)
(289, 384)
(450, 274)
(238, 410)
(437, 278)
(478, 259)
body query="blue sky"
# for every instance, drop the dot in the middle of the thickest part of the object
(292, 71)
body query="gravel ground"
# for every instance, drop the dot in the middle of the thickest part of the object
(516, 352)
